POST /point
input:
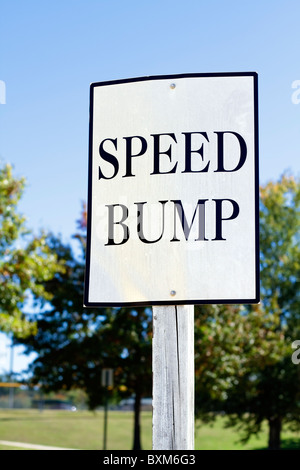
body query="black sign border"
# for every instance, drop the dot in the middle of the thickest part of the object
(256, 299)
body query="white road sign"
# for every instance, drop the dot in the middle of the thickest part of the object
(173, 191)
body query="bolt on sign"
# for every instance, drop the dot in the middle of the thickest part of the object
(173, 191)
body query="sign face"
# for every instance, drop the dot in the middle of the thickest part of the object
(173, 191)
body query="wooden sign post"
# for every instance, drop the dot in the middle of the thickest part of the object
(173, 215)
(173, 377)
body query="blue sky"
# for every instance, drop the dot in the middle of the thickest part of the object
(50, 52)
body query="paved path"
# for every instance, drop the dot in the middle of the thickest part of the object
(25, 445)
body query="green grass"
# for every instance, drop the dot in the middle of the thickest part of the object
(84, 430)
(217, 437)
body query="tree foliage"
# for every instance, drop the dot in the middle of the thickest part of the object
(74, 344)
(244, 353)
(25, 261)
(280, 250)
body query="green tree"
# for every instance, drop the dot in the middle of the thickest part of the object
(244, 353)
(280, 251)
(280, 274)
(26, 262)
(74, 343)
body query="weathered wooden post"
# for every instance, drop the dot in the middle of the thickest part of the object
(173, 377)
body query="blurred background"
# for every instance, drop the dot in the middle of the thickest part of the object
(246, 361)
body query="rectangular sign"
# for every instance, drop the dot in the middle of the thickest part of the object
(173, 191)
